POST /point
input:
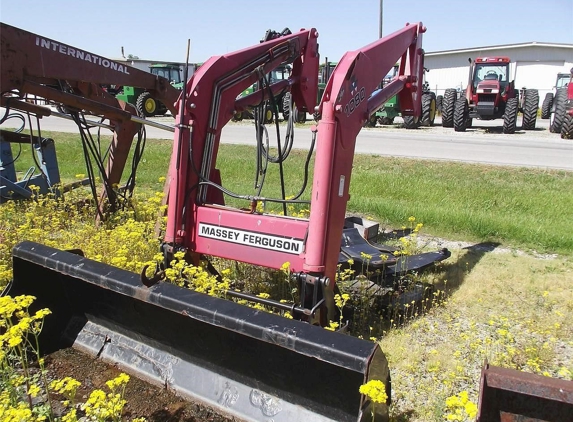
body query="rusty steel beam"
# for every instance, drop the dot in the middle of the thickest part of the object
(509, 395)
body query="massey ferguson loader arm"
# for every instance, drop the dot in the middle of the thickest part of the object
(35, 65)
(197, 220)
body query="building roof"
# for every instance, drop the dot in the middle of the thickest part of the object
(501, 47)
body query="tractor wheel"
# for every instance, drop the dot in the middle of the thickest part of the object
(428, 109)
(299, 116)
(286, 106)
(372, 120)
(461, 115)
(268, 115)
(161, 109)
(448, 106)
(386, 120)
(439, 102)
(510, 116)
(411, 122)
(146, 105)
(238, 116)
(529, 109)
(546, 106)
(558, 112)
(567, 127)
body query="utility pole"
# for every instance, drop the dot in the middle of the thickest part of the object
(381, 18)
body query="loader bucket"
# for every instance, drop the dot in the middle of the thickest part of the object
(509, 395)
(246, 363)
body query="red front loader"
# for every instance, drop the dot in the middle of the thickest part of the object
(255, 365)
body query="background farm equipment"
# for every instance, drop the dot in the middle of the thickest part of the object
(561, 82)
(45, 178)
(71, 78)
(567, 127)
(490, 95)
(391, 109)
(269, 109)
(557, 106)
(142, 99)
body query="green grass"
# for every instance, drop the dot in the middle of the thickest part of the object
(518, 207)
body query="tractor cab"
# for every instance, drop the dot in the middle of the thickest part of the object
(281, 73)
(489, 88)
(563, 80)
(491, 73)
(170, 72)
(324, 72)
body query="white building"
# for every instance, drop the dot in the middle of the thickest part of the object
(534, 65)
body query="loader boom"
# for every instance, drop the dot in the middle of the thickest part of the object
(47, 61)
(38, 66)
(197, 220)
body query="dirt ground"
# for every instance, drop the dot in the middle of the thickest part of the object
(143, 399)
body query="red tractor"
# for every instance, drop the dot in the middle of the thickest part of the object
(490, 95)
(564, 110)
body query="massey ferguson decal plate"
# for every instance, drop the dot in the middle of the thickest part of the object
(254, 239)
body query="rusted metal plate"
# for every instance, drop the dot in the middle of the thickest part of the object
(508, 395)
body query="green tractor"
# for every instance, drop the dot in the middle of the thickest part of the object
(282, 101)
(391, 109)
(324, 72)
(142, 100)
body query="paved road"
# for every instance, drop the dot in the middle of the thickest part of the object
(481, 144)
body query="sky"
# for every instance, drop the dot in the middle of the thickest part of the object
(159, 30)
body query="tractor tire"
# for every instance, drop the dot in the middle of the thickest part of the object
(237, 117)
(161, 109)
(386, 120)
(146, 105)
(567, 127)
(510, 116)
(299, 116)
(428, 109)
(411, 122)
(286, 106)
(448, 106)
(439, 102)
(269, 115)
(558, 113)
(546, 106)
(529, 109)
(372, 120)
(461, 115)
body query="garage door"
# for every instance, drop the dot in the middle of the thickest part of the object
(538, 75)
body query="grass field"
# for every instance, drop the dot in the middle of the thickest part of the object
(497, 301)
(522, 208)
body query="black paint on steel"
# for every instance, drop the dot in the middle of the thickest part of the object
(294, 361)
(509, 395)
